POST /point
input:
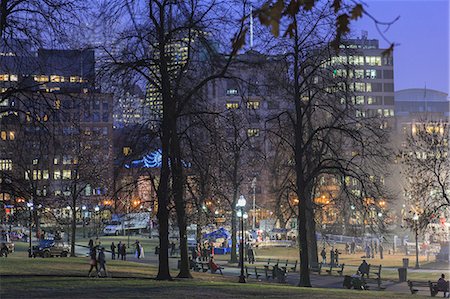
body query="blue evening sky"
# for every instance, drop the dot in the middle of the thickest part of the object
(422, 32)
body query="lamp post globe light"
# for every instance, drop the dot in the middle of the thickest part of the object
(83, 216)
(240, 213)
(415, 218)
(30, 208)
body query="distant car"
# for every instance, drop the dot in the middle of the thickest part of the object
(49, 248)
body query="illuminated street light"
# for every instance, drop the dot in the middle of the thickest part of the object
(240, 213)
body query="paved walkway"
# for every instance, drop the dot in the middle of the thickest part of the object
(319, 281)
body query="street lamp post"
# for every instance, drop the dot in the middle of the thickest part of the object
(240, 213)
(254, 204)
(96, 209)
(30, 209)
(83, 211)
(416, 231)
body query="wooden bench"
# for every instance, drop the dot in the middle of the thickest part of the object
(316, 268)
(338, 268)
(431, 286)
(255, 271)
(377, 278)
(290, 266)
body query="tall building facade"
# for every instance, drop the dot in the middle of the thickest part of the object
(55, 128)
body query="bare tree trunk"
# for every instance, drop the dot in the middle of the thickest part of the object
(177, 186)
(73, 229)
(234, 258)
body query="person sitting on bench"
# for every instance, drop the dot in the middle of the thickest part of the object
(442, 285)
(364, 268)
(214, 267)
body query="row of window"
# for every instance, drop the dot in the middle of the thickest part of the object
(58, 79)
(375, 112)
(8, 77)
(254, 105)
(6, 164)
(39, 174)
(357, 74)
(358, 60)
(7, 135)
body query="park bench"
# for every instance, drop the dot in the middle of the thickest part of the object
(290, 266)
(415, 285)
(255, 271)
(377, 279)
(338, 268)
(316, 268)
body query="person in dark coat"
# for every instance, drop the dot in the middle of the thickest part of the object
(250, 255)
(332, 256)
(102, 262)
(336, 256)
(381, 249)
(119, 250)
(137, 249)
(364, 268)
(113, 251)
(124, 252)
(91, 244)
(323, 254)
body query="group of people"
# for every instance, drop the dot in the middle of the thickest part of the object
(334, 256)
(97, 259)
(372, 249)
(121, 251)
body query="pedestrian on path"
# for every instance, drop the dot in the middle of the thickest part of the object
(93, 261)
(381, 249)
(323, 254)
(336, 256)
(119, 250)
(124, 252)
(102, 262)
(113, 251)
(137, 250)
(332, 256)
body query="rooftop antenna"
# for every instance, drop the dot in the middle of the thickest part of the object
(251, 27)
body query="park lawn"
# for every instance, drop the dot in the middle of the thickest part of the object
(76, 287)
(69, 266)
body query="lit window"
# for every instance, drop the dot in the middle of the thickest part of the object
(66, 174)
(37, 175)
(4, 77)
(232, 92)
(67, 160)
(252, 132)
(41, 78)
(45, 174)
(253, 105)
(13, 78)
(126, 151)
(57, 175)
(3, 135)
(56, 161)
(75, 79)
(6, 164)
(232, 105)
(56, 78)
(35, 161)
(12, 135)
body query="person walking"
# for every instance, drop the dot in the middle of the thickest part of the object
(250, 254)
(102, 262)
(332, 256)
(137, 250)
(367, 251)
(124, 252)
(336, 256)
(323, 254)
(119, 250)
(113, 251)
(93, 261)
(381, 249)
(91, 244)
(352, 247)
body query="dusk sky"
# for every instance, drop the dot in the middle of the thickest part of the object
(422, 32)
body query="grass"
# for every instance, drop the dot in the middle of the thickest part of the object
(61, 287)
(66, 278)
